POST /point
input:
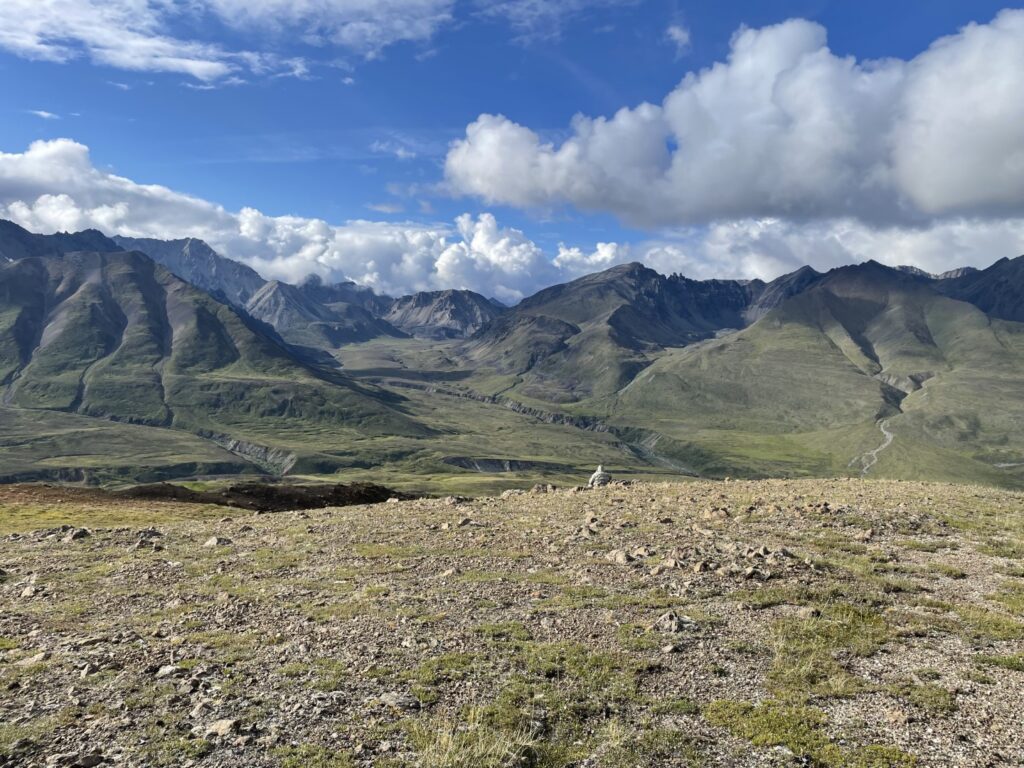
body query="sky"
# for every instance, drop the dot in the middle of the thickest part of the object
(505, 145)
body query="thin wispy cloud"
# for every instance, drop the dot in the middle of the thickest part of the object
(42, 113)
(388, 208)
(540, 20)
(679, 36)
(392, 148)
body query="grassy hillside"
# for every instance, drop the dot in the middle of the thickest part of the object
(53, 446)
(117, 337)
(812, 379)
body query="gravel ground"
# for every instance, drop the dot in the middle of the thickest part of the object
(767, 623)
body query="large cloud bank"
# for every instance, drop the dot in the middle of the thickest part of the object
(785, 129)
(54, 186)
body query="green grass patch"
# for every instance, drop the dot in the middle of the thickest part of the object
(806, 650)
(801, 729)
(1013, 662)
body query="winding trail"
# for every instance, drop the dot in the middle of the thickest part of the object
(870, 458)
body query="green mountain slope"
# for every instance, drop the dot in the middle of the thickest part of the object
(116, 336)
(808, 387)
(592, 336)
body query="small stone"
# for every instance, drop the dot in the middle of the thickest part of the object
(169, 670)
(29, 661)
(670, 648)
(397, 700)
(217, 541)
(222, 728)
(619, 557)
(898, 717)
(75, 534)
(671, 622)
(701, 566)
(30, 591)
(808, 612)
(464, 521)
(21, 745)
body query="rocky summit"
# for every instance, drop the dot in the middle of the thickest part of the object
(732, 623)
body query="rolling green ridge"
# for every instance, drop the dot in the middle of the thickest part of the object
(114, 369)
(817, 374)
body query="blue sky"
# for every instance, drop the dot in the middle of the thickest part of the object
(363, 129)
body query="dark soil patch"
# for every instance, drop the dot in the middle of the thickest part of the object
(263, 497)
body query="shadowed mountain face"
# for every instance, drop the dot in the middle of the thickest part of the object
(997, 291)
(117, 336)
(768, 296)
(328, 294)
(18, 243)
(303, 321)
(197, 263)
(442, 314)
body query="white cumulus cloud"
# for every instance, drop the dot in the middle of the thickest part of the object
(54, 186)
(784, 128)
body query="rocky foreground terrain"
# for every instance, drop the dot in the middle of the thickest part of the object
(839, 623)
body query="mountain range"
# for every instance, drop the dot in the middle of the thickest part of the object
(124, 359)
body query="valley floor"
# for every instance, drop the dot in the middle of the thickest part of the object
(771, 623)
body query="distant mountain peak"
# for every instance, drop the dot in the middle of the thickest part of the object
(194, 260)
(445, 314)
